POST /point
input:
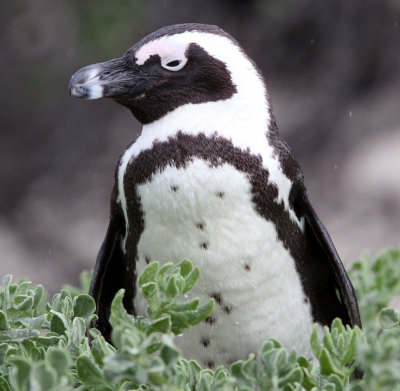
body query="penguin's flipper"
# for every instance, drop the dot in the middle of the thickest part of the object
(342, 281)
(109, 276)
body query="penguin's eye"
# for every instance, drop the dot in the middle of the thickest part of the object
(173, 64)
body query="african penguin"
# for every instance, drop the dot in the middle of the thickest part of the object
(209, 179)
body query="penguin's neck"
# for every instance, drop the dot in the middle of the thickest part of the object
(245, 122)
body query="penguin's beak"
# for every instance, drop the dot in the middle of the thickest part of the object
(112, 79)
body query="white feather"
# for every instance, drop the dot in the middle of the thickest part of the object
(267, 301)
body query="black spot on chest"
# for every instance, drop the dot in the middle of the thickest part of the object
(205, 341)
(226, 308)
(204, 245)
(217, 297)
(210, 320)
(210, 364)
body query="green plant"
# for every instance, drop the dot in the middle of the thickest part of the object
(49, 346)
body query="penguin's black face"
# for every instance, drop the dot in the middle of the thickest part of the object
(165, 70)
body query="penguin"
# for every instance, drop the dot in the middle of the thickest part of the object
(211, 180)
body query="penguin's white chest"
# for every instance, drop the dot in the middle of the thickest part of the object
(205, 214)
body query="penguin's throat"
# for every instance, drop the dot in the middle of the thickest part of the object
(229, 118)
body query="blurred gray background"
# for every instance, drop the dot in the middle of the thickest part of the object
(333, 70)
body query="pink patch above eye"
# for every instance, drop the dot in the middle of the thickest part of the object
(162, 47)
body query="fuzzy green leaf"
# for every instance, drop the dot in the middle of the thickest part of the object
(37, 296)
(100, 348)
(23, 302)
(185, 267)
(351, 352)
(162, 325)
(58, 323)
(389, 318)
(20, 374)
(295, 375)
(149, 289)
(90, 374)
(169, 354)
(32, 351)
(326, 362)
(33, 323)
(163, 270)
(3, 351)
(172, 287)
(4, 386)
(43, 376)
(76, 337)
(314, 342)
(17, 335)
(191, 279)
(49, 340)
(119, 316)
(85, 306)
(201, 313)
(7, 281)
(186, 306)
(149, 274)
(59, 360)
(3, 321)
(250, 368)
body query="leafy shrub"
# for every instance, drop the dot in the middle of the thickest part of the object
(49, 346)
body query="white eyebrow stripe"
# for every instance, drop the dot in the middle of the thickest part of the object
(164, 47)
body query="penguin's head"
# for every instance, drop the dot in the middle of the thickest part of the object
(186, 64)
